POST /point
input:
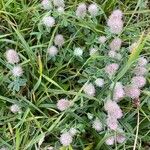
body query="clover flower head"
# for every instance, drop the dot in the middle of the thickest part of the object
(99, 82)
(112, 123)
(113, 109)
(52, 51)
(17, 71)
(81, 10)
(66, 139)
(59, 40)
(111, 69)
(78, 52)
(102, 39)
(47, 5)
(118, 92)
(115, 45)
(59, 3)
(15, 108)
(92, 51)
(110, 140)
(93, 9)
(73, 132)
(97, 125)
(63, 104)
(60, 10)
(138, 81)
(140, 71)
(48, 21)
(112, 54)
(12, 56)
(142, 61)
(132, 91)
(89, 89)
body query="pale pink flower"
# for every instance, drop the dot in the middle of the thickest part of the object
(93, 9)
(59, 40)
(113, 109)
(97, 125)
(118, 92)
(66, 139)
(142, 61)
(60, 10)
(132, 91)
(111, 69)
(17, 71)
(81, 10)
(117, 14)
(47, 5)
(48, 21)
(112, 122)
(115, 44)
(63, 104)
(139, 71)
(102, 39)
(59, 3)
(99, 82)
(52, 51)
(12, 56)
(138, 81)
(112, 54)
(110, 140)
(89, 89)
(93, 51)
(120, 138)
(15, 108)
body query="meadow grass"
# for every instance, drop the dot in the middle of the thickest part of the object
(46, 80)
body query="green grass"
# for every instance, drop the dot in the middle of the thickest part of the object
(51, 79)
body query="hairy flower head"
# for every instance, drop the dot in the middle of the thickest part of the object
(93, 9)
(63, 104)
(115, 44)
(59, 40)
(66, 139)
(111, 69)
(52, 51)
(47, 5)
(97, 125)
(48, 21)
(89, 89)
(138, 81)
(17, 71)
(81, 10)
(99, 82)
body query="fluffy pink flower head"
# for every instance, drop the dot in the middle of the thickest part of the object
(60, 10)
(66, 139)
(115, 45)
(15, 108)
(112, 123)
(17, 71)
(117, 14)
(99, 82)
(138, 81)
(111, 69)
(12, 56)
(48, 21)
(97, 125)
(59, 3)
(118, 92)
(47, 5)
(59, 40)
(110, 140)
(81, 10)
(52, 51)
(142, 61)
(132, 91)
(93, 10)
(120, 137)
(102, 39)
(112, 54)
(89, 89)
(113, 109)
(139, 71)
(63, 104)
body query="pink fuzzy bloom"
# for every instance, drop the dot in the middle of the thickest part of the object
(118, 92)
(110, 140)
(113, 109)
(99, 82)
(93, 9)
(102, 39)
(140, 71)
(59, 40)
(132, 91)
(63, 104)
(138, 81)
(97, 125)
(59, 3)
(142, 61)
(17, 71)
(112, 123)
(115, 44)
(12, 56)
(111, 69)
(66, 139)
(117, 14)
(120, 138)
(89, 89)
(47, 5)
(112, 54)
(52, 51)
(48, 21)
(132, 47)
(81, 10)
